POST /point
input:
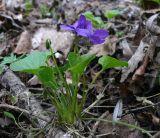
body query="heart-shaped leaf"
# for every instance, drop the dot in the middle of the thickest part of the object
(110, 62)
(31, 62)
(96, 21)
(79, 63)
(111, 13)
(9, 59)
(47, 76)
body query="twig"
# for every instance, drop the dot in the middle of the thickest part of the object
(14, 108)
(36, 89)
(96, 124)
(95, 102)
(141, 108)
(156, 135)
(122, 124)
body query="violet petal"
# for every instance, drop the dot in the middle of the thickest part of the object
(89, 27)
(81, 22)
(82, 32)
(96, 39)
(75, 24)
(101, 33)
(67, 27)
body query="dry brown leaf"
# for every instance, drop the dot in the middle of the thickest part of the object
(151, 25)
(140, 33)
(12, 4)
(40, 2)
(24, 43)
(123, 132)
(155, 120)
(141, 70)
(130, 11)
(60, 41)
(107, 48)
(134, 60)
(127, 51)
(146, 47)
(157, 59)
(2, 7)
(2, 48)
(6, 44)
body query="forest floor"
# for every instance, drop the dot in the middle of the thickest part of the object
(126, 95)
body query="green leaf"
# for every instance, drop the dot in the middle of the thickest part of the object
(47, 76)
(44, 9)
(73, 59)
(79, 63)
(31, 63)
(111, 13)
(96, 21)
(9, 115)
(109, 62)
(28, 7)
(9, 59)
(120, 34)
(1, 69)
(157, 1)
(13, 99)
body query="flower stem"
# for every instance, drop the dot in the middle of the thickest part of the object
(96, 76)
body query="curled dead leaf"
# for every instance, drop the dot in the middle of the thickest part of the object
(131, 12)
(60, 41)
(155, 120)
(141, 70)
(134, 60)
(24, 43)
(146, 47)
(152, 26)
(127, 51)
(157, 59)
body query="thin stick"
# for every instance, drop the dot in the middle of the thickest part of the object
(92, 132)
(141, 108)
(122, 124)
(95, 102)
(15, 108)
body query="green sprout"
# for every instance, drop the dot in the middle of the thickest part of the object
(44, 9)
(96, 21)
(111, 14)
(28, 7)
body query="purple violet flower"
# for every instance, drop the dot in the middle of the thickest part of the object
(84, 28)
(98, 36)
